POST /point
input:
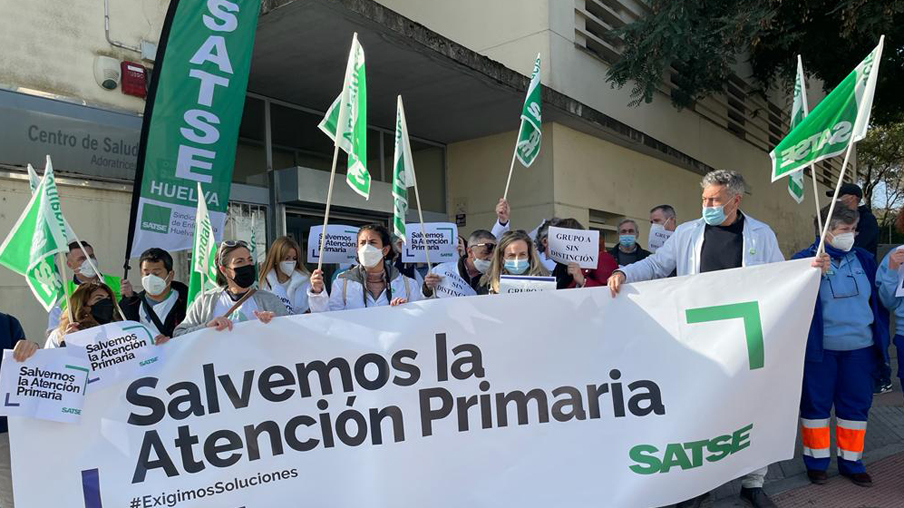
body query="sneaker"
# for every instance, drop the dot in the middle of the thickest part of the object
(696, 502)
(885, 388)
(817, 477)
(756, 497)
(859, 479)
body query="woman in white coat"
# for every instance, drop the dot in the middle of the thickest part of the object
(374, 282)
(284, 275)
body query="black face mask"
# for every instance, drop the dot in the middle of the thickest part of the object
(102, 311)
(244, 276)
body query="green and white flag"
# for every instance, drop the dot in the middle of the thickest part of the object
(528, 146)
(402, 172)
(348, 116)
(204, 251)
(33, 179)
(38, 235)
(841, 118)
(799, 110)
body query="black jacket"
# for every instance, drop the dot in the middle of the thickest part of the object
(130, 308)
(641, 254)
(867, 231)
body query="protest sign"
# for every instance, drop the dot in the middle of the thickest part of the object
(115, 351)
(525, 284)
(574, 246)
(486, 402)
(658, 236)
(442, 240)
(451, 285)
(340, 245)
(48, 386)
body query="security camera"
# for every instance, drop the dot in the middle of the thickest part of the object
(106, 72)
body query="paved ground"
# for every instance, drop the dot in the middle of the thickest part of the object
(884, 455)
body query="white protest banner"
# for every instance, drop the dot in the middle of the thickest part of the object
(658, 236)
(49, 386)
(900, 291)
(451, 285)
(574, 246)
(525, 284)
(116, 351)
(442, 240)
(454, 402)
(340, 245)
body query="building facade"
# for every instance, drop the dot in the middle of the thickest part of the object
(462, 68)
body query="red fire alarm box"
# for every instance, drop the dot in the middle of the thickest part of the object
(134, 79)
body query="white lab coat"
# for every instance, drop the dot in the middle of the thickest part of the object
(293, 293)
(681, 251)
(348, 292)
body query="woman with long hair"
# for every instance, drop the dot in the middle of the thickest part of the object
(514, 255)
(93, 304)
(374, 281)
(284, 275)
(235, 300)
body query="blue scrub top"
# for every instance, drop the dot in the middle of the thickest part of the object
(847, 317)
(887, 282)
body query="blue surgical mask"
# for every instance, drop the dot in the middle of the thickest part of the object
(627, 241)
(516, 266)
(714, 215)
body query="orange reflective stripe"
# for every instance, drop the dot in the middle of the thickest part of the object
(850, 439)
(815, 438)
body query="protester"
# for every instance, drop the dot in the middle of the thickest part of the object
(515, 255)
(663, 221)
(723, 238)
(12, 336)
(628, 250)
(541, 241)
(887, 283)
(848, 334)
(375, 281)
(93, 304)
(476, 261)
(285, 276)
(868, 227)
(236, 300)
(82, 272)
(161, 305)
(572, 275)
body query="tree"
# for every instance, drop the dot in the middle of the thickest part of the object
(881, 171)
(702, 39)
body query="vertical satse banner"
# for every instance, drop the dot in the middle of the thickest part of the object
(191, 120)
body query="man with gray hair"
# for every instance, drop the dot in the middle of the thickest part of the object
(471, 267)
(628, 250)
(723, 238)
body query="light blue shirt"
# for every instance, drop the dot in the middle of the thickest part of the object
(846, 313)
(887, 282)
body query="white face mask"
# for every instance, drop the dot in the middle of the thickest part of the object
(482, 265)
(843, 241)
(370, 256)
(288, 267)
(153, 285)
(86, 271)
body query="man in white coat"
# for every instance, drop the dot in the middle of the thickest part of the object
(723, 238)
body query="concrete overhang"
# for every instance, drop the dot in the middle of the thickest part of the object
(451, 93)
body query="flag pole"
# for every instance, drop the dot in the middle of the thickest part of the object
(420, 213)
(66, 287)
(329, 199)
(512, 165)
(816, 196)
(825, 228)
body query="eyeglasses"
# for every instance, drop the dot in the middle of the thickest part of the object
(228, 244)
(488, 246)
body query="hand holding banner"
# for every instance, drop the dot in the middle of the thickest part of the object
(574, 246)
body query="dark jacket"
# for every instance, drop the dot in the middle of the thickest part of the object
(880, 315)
(641, 254)
(130, 308)
(10, 333)
(867, 231)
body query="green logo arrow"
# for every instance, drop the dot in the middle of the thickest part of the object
(753, 329)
